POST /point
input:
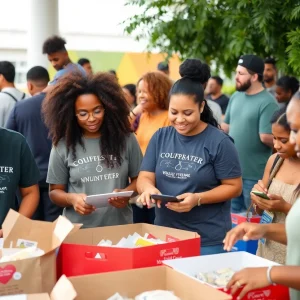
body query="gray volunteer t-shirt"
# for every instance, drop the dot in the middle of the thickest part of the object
(191, 164)
(89, 174)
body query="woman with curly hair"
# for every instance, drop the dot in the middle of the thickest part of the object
(152, 92)
(94, 151)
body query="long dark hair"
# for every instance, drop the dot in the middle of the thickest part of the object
(279, 117)
(194, 75)
(288, 83)
(59, 113)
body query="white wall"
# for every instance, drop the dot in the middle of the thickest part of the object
(86, 25)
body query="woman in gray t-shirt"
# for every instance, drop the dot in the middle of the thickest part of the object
(94, 151)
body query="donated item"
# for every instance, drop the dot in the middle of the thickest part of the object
(218, 278)
(165, 198)
(28, 259)
(155, 283)
(133, 241)
(101, 200)
(223, 266)
(14, 254)
(260, 194)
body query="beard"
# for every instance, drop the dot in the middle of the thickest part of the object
(268, 79)
(243, 87)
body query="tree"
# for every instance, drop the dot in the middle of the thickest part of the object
(221, 30)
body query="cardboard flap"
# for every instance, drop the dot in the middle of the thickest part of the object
(9, 222)
(47, 235)
(63, 290)
(131, 283)
(62, 229)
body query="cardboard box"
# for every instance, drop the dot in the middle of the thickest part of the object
(131, 283)
(250, 246)
(80, 255)
(63, 290)
(235, 260)
(33, 275)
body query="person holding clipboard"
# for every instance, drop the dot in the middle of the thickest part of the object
(94, 151)
(194, 161)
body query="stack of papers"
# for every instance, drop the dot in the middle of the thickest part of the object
(101, 200)
(133, 241)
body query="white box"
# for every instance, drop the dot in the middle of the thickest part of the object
(237, 261)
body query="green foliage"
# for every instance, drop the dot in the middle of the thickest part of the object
(221, 30)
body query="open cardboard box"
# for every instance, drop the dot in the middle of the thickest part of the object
(234, 260)
(131, 283)
(80, 255)
(32, 275)
(63, 290)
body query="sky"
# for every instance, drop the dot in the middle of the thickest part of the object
(77, 16)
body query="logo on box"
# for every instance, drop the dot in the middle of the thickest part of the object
(259, 295)
(7, 273)
(168, 252)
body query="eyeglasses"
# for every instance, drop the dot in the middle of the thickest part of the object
(84, 115)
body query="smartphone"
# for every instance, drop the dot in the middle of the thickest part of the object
(261, 195)
(165, 198)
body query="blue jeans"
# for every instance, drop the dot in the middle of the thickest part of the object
(241, 203)
(216, 249)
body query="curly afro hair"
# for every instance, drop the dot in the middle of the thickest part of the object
(54, 44)
(59, 113)
(159, 86)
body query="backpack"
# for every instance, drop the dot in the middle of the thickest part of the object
(15, 99)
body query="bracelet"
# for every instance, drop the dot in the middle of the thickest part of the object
(199, 200)
(269, 275)
(133, 113)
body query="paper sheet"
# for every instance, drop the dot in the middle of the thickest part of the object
(101, 200)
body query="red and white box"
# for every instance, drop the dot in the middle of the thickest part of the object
(236, 261)
(80, 255)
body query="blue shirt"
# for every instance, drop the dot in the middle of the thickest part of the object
(69, 68)
(26, 118)
(191, 164)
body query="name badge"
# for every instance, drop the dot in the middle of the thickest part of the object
(266, 218)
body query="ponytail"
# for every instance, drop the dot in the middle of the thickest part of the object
(207, 116)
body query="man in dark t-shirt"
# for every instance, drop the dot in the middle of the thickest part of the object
(26, 119)
(214, 88)
(17, 170)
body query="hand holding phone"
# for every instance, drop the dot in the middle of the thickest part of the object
(261, 195)
(165, 198)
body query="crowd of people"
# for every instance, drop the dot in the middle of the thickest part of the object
(83, 134)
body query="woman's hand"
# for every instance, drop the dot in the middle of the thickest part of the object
(245, 231)
(248, 279)
(259, 186)
(190, 200)
(145, 197)
(138, 109)
(276, 203)
(119, 202)
(79, 204)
